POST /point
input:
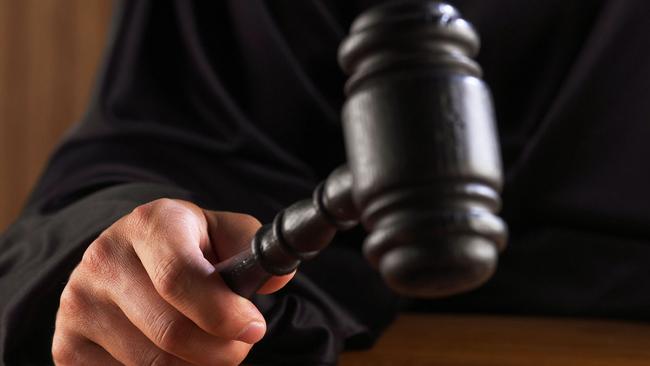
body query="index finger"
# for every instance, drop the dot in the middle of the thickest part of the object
(169, 248)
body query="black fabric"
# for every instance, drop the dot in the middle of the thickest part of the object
(235, 106)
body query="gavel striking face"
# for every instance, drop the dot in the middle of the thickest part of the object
(423, 174)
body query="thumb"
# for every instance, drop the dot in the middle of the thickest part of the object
(231, 233)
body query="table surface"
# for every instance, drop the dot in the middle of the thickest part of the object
(475, 340)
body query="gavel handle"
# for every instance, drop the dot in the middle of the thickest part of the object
(297, 233)
(243, 273)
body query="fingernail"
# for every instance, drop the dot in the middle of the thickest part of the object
(252, 333)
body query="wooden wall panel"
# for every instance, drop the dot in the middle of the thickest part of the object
(49, 53)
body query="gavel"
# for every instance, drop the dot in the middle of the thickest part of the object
(423, 174)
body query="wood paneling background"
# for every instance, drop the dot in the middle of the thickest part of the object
(49, 53)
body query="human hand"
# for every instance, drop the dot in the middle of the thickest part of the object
(146, 292)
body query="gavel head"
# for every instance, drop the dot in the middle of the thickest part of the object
(422, 148)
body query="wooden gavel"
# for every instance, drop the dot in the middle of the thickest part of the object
(424, 171)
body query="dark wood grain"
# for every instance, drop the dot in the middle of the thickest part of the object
(49, 51)
(473, 340)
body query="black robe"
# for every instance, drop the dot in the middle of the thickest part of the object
(235, 105)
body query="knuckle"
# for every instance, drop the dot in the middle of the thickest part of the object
(75, 309)
(71, 301)
(171, 333)
(161, 216)
(168, 278)
(63, 351)
(143, 213)
(164, 203)
(169, 207)
(99, 256)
